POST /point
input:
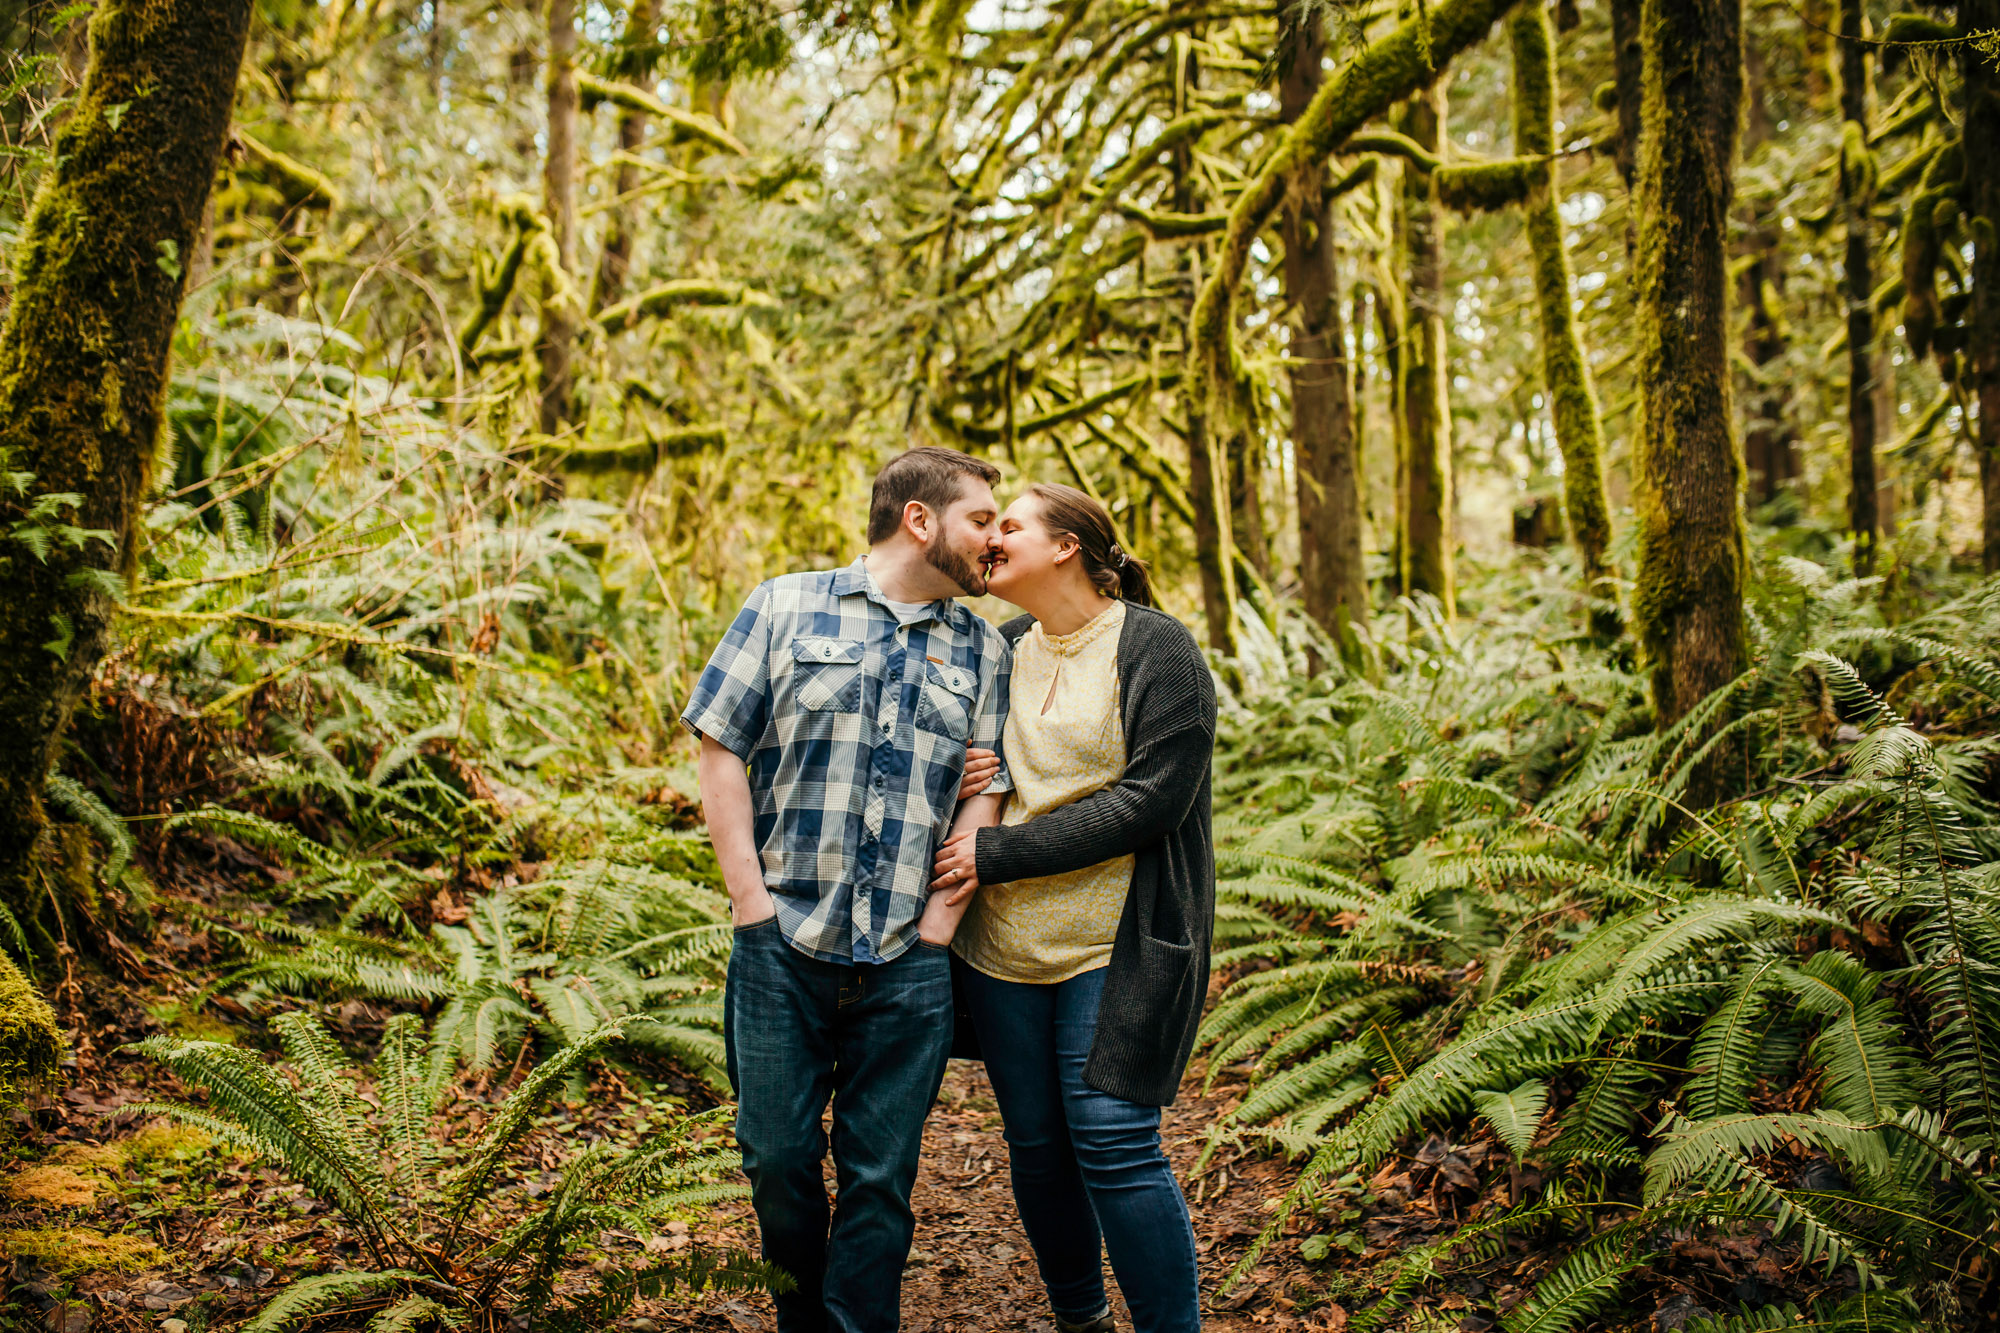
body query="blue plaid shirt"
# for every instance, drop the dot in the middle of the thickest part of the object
(854, 726)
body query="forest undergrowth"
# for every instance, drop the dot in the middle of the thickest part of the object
(1554, 1049)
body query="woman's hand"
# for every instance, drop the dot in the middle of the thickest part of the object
(957, 868)
(981, 767)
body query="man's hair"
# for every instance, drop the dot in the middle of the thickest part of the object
(933, 476)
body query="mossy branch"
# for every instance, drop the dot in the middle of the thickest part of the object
(681, 291)
(496, 287)
(642, 456)
(593, 91)
(1486, 187)
(1082, 407)
(302, 186)
(1939, 187)
(1919, 30)
(1388, 143)
(1386, 72)
(1166, 226)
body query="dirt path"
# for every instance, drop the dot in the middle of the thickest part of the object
(972, 1271)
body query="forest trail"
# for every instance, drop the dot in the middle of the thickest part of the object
(972, 1270)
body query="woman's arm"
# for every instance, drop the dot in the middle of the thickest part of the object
(1161, 779)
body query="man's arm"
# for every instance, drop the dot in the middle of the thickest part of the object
(725, 801)
(944, 911)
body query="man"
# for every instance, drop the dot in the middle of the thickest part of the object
(851, 695)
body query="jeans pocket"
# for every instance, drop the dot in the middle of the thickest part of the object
(738, 932)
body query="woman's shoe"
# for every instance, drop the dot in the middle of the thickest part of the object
(1103, 1323)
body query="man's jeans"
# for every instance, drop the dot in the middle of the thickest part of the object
(1089, 1173)
(873, 1038)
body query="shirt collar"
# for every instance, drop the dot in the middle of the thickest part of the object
(858, 578)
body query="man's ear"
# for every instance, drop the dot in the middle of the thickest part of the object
(917, 520)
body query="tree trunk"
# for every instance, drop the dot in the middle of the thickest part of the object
(1246, 501)
(1565, 372)
(99, 276)
(1427, 523)
(1981, 200)
(1389, 321)
(616, 260)
(1327, 464)
(1208, 469)
(1857, 195)
(1628, 84)
(1687, 487)
(556, 342)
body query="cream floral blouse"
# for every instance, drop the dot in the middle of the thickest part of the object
(1065, 740)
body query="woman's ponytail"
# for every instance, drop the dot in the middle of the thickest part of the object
(1116, 572)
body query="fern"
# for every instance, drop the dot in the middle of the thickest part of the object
(313, 1122)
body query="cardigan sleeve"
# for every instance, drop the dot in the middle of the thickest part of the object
(1169, 755)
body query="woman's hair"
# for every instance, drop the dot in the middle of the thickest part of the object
(1068, 512)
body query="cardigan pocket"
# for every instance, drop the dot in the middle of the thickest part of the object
(1164, 973)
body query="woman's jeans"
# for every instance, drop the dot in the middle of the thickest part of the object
(1089, 1173)
(873, 1039)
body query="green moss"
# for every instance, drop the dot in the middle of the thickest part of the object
(84, 353)
(1906, 29)
(1485, 187)
(1565, 370)
(643, 456)
(299, 185)
(1429, 559)
(681, 291)
(1384, 73)
(1687, 603)
(31, 1042)
(73, 1250)
(1920, 255)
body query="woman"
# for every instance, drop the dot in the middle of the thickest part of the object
(1083, 956)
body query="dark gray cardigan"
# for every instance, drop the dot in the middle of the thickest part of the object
(1159, 812)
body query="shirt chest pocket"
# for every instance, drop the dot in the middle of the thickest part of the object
(945, 702)
(826, 674)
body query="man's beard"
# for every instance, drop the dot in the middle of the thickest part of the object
(955, 567)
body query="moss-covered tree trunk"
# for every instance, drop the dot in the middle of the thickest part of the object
(1628, 89)
(98, 277)
(1427, 537)
(1981, 201)
(1208, 469)
(1247, 523)
(555, 343)
(1688, 474)
(1857, 195)
(1327, 463)
(1565, 372)
(614, 263)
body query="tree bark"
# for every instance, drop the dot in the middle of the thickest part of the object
(555, 344)
(1427, 542)
(1688, 603)
(98, 281)
(1981, 201)
(1628, 85)
(1565, 372)
(1208, 469)
(1857, 196)
(1327, 463)
(615, 262)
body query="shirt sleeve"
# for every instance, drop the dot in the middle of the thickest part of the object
(732, 700)
(989, 722)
